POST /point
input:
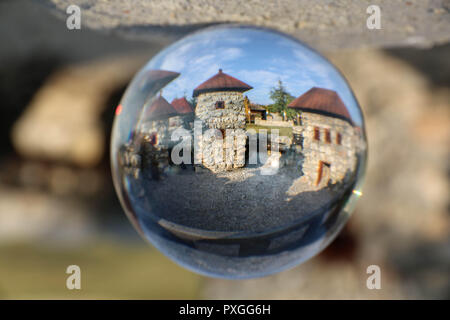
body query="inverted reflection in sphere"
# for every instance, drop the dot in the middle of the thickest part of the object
(238, 152)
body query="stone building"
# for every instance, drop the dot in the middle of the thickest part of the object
(328, 139)
(157, 122)
(148, 143)
(155, 135)
(255, 111)
(221, 107)
(185, 113)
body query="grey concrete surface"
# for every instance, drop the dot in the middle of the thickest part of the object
(323, 24)
(29, 30)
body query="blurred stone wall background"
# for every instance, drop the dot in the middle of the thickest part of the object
(59, 89)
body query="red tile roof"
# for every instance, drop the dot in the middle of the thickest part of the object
(221, 82)
(256, 107)
(322, 100)
(160, 109)
(182, 105)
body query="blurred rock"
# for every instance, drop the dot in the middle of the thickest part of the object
(63, 121)
(31, 30)
(28, 215)
(323, 24)
(313, 280)
(63, 180)
(424, 266)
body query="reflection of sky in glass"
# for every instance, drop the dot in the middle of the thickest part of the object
(257, 57)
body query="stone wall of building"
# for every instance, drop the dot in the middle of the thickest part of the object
(165, 127)
(274, 123)
(274, 116)
(219, 153)
(158, 127)
(155, 144)
(232, 116)
(223, 148)
(181, 121)
(129, 160)
(338, 159)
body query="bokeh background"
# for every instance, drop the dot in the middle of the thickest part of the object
(58, 93)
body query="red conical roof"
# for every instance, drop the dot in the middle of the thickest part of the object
(320, 100)
(221, 82)
(182, 105)
(159, 109)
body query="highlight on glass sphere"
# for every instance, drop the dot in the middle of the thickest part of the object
(238, 152)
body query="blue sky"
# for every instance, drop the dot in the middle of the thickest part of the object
(256, 56)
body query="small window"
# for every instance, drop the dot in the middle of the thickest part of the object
(327, 136)
(338, 138)
(316, 134)
(298, 120)
(220, 105)
(153, 138)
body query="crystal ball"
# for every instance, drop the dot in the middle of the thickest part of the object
(238, 152)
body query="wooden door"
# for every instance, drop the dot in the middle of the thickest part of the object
(323, 173)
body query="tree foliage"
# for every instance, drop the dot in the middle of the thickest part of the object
(192, 101)
(281, 98)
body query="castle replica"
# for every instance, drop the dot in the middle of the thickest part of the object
(328, 137)
(221, 108)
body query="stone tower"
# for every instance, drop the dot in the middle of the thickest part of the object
(221, 110)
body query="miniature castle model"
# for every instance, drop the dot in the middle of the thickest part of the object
(221, 107)
(328, 136)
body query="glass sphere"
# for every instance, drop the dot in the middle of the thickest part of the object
(238, 151)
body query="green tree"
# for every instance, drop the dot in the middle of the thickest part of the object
(281, 98)
(291, 114)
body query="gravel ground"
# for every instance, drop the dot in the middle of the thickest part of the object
(238, 200)
(324, 24)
